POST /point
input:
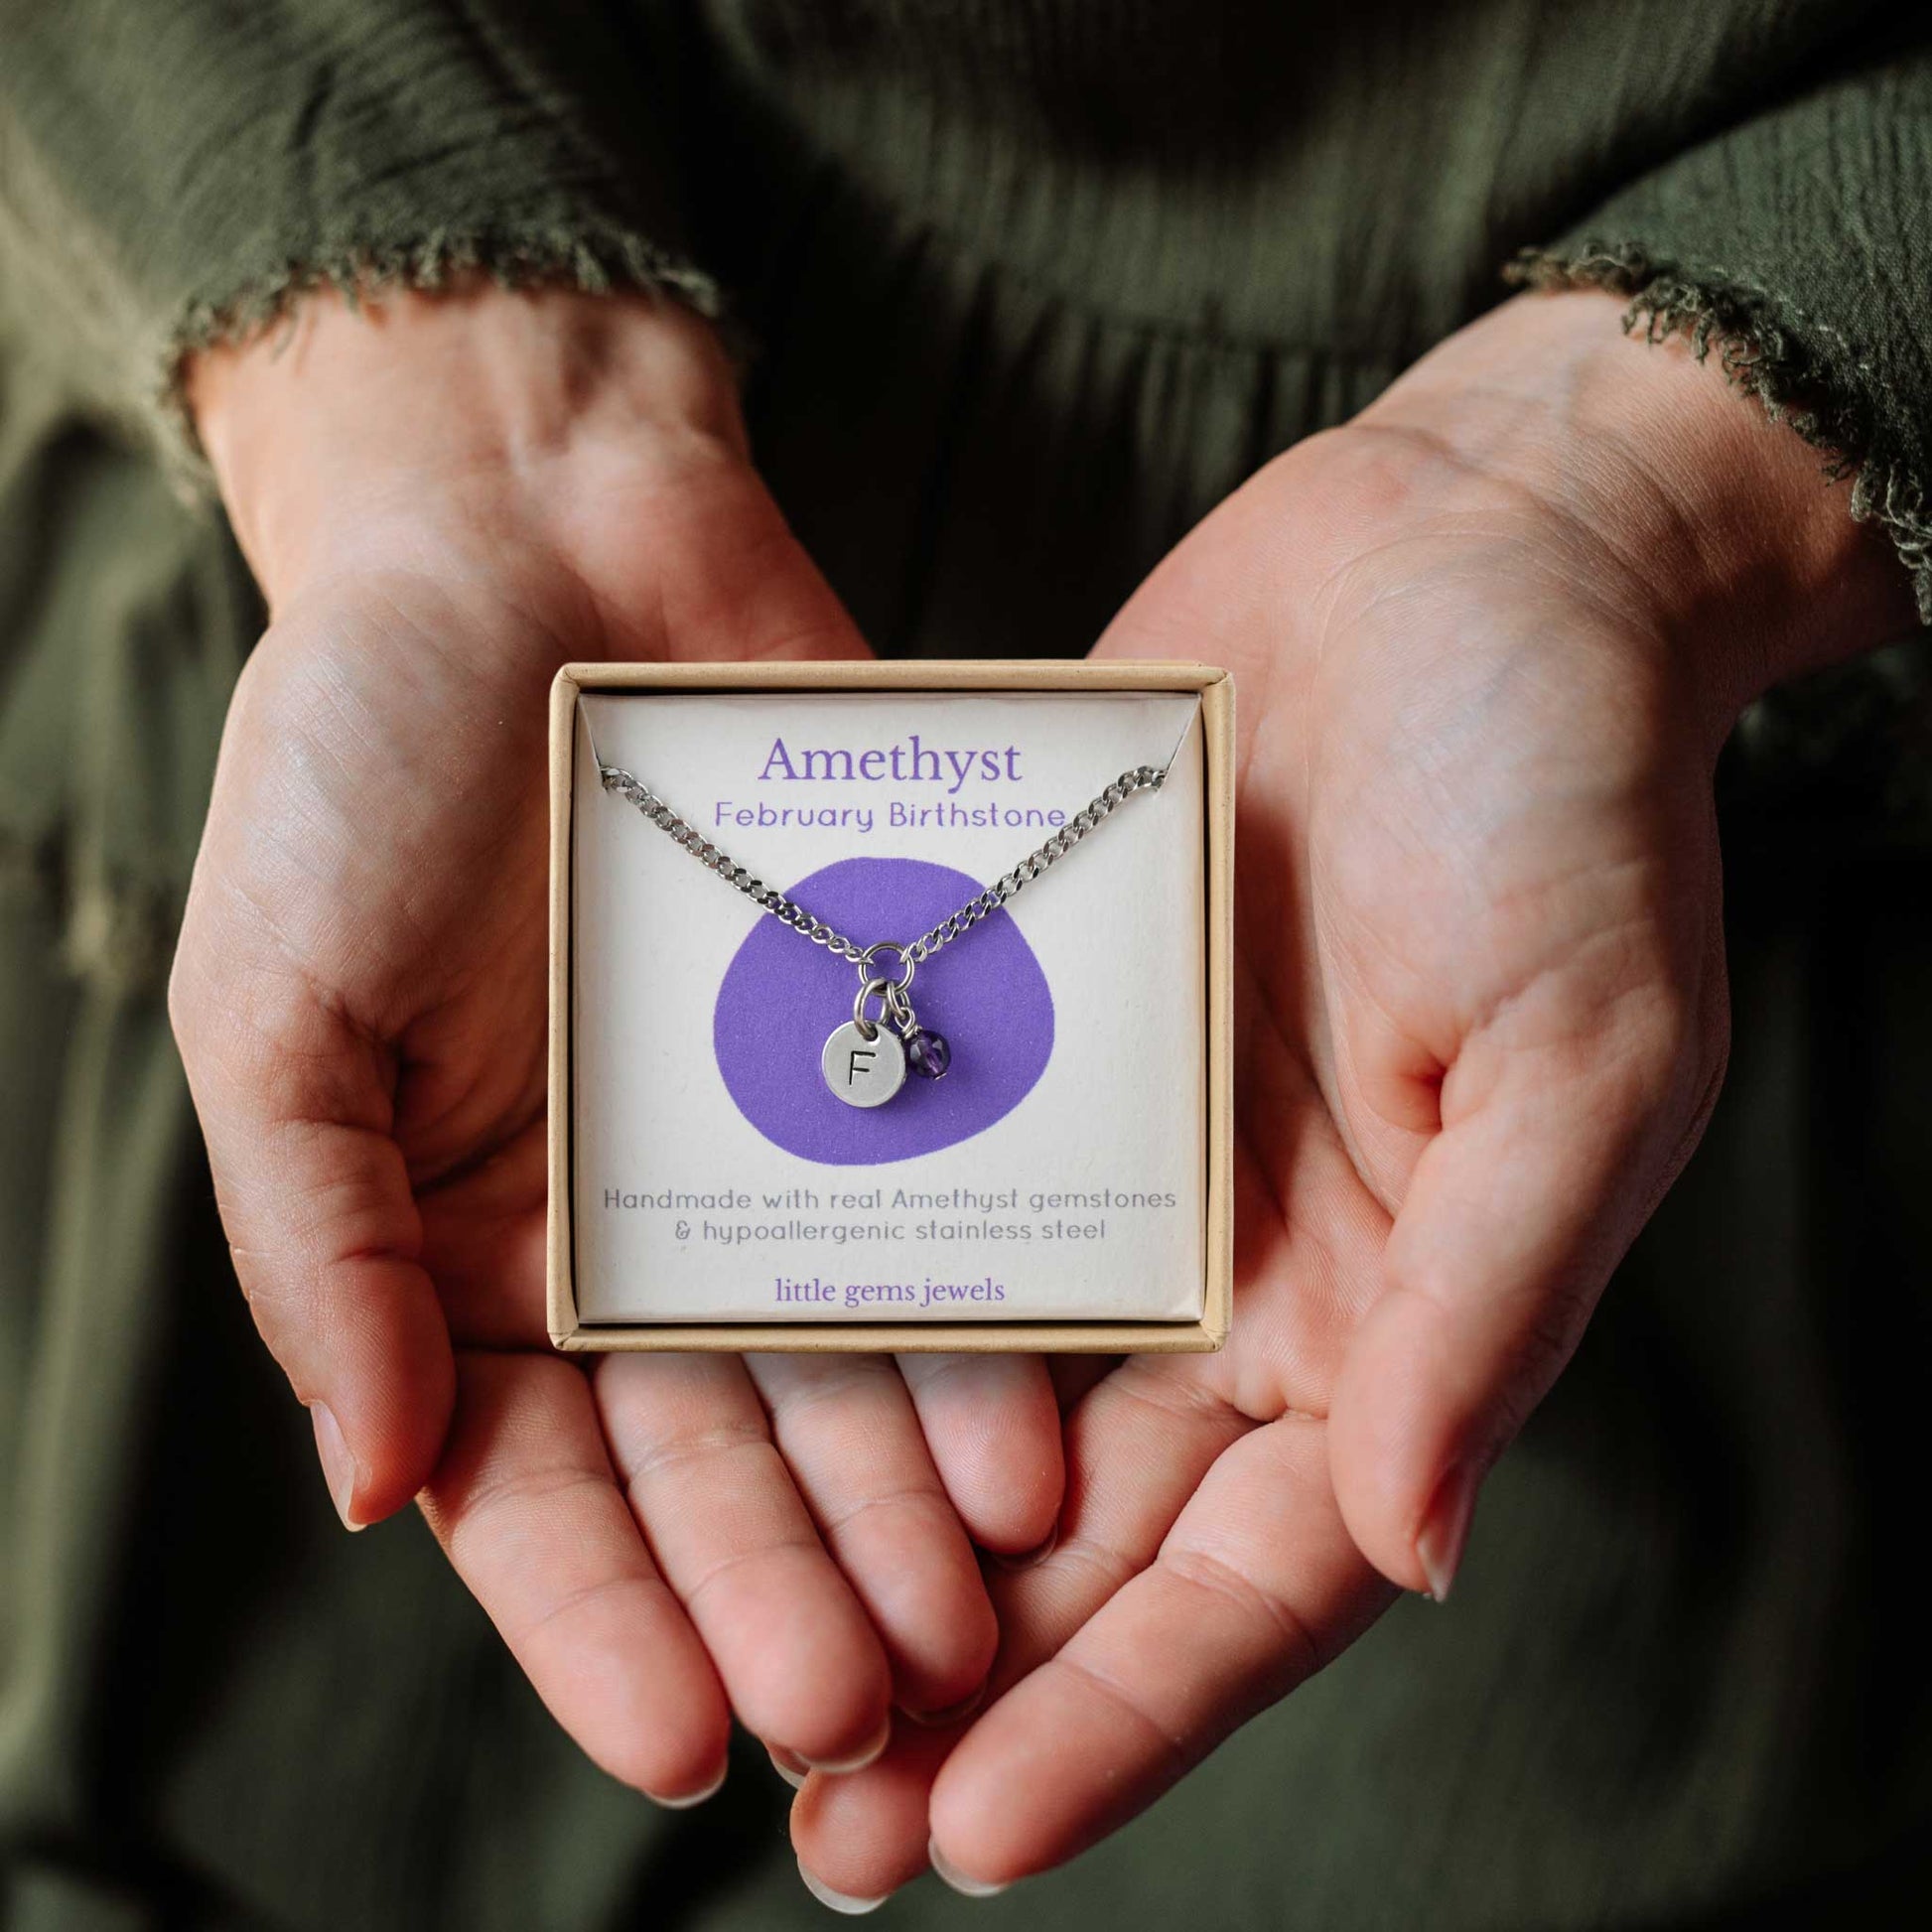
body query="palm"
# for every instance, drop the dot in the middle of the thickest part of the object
(1478, 972)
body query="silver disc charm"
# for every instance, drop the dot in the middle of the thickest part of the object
(860, 1071)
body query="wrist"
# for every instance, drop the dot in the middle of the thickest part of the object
(335, 431)
(1714, 525)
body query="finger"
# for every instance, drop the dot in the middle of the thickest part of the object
(992, 1425)
(527, 1506)
(847, 1430)
(804, 1670)
(1553, 1153)
(1137, 1447)
(864, 1835)
(295, 1102)
(1256, 1587)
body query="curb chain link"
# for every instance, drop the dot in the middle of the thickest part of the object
(788, 911)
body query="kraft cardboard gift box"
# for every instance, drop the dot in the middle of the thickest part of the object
(579, 1309)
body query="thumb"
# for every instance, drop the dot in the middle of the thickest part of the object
(1551, 1157)
(321, 1219)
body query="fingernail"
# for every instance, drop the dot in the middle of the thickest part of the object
(338, 1466)
(795, 1771)
(1027, 1558)
(711, 1790)
(840, 1767)
(951, 1874)
(839, 1901)
(1445, 1529)
(951, 1714)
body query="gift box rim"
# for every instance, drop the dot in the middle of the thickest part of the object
(1205, 1333)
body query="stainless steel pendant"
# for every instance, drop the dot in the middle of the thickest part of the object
(863, 1063)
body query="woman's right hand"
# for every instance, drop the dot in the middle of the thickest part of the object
(444, 498)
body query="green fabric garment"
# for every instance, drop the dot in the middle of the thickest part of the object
(1027, 287)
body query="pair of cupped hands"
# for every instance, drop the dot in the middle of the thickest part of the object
(1488, 638)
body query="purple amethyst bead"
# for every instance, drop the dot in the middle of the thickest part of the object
(927, 1055)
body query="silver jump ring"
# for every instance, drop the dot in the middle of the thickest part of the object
(884, 993)
(906, 959)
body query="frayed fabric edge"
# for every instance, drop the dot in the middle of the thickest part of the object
(1765, 357)
(591, 257)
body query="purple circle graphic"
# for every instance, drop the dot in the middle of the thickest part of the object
(781, 999)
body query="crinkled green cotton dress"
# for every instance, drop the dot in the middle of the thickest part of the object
(1029, 285)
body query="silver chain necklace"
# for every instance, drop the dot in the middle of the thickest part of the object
(865, 1060)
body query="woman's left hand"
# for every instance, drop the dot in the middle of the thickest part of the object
(1489, 639)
